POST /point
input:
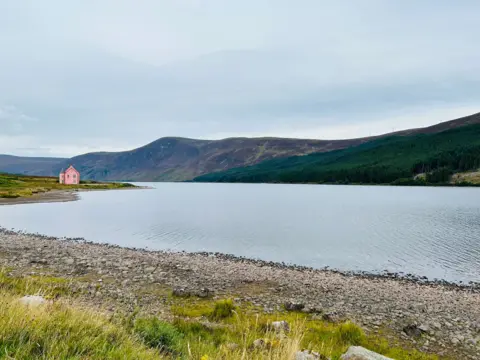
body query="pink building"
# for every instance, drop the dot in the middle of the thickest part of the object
(70, 176)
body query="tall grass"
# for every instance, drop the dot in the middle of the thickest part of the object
(218, 330)
(58, 331)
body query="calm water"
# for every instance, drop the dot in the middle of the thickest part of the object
(426, 231)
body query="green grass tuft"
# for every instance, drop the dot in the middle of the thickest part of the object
(223, 309)
(158, 334)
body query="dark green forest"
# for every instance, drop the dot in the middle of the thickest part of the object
(392, 160)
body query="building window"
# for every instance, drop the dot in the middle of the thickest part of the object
(74, 176)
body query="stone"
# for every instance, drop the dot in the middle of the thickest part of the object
(333, 316)
(150, 269)
(33, 300)
(424, 328)
(69, 261)
(204, 293)
(307, 355)
(413, 330)
(181, 292)
(294, 306)
(259, 343)
(280, 326)
(360, 353)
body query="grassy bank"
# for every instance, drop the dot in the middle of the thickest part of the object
(16, 186)
(190, 328)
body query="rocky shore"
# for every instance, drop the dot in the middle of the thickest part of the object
(46, 197)
(434, 317)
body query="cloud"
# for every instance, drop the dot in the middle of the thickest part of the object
(13, 121)
(128, 73)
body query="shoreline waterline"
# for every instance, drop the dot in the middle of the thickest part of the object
(58, 196)
(362, 274)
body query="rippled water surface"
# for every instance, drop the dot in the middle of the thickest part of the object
(426, 231)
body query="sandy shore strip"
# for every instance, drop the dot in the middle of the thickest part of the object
(447, 316)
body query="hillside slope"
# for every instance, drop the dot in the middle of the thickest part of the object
(28, 165)
(180, 159)
(394, 159)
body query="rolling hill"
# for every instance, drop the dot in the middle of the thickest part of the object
(180, 159)
(419, 158)
(28, 165)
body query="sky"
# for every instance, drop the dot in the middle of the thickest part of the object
(111, 75)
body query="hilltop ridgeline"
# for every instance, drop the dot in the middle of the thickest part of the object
(182, 159)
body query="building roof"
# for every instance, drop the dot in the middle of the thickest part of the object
(70, 167)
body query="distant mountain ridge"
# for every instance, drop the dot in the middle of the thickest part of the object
(449, 157)
(180, 159)
(28, 165)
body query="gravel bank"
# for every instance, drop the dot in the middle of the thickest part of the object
(447, 316)
(59, 195)
(46, 197)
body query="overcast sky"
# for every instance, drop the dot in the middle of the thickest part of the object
(80, 76)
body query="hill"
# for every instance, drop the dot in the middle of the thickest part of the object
(180, 159)
(399, 159)
(28, 165)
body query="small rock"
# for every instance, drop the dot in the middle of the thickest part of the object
(204, 293)
(280, 326)
(150, 269)
(360, 353)
(181, 292)
(307, 355)
(424, 328)
(294, 306)
(258, 344)
(413, 330)
(69, 261)
(33, 300)
(454, 341)
(333, 316)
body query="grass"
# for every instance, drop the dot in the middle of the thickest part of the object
(223, 309)
(205, 329)
(16, 186)
(59, 331)
(472, 177)
(158, 334)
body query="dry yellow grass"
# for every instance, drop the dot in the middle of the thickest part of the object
(472, 177)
